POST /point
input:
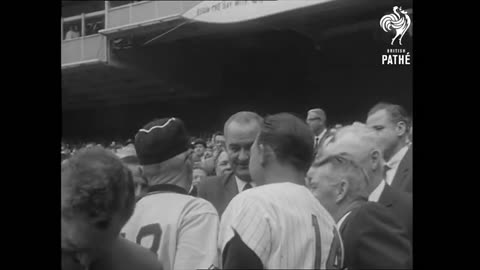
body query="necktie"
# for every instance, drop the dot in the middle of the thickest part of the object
(247, 186)
(316, 141)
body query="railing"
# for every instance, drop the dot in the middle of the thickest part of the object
(86, 45)
(84, 49)
(142, 11)
(83, 44)
(83, 22)
(127, 14)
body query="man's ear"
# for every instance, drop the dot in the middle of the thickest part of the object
(263, 152)
(342, 190)
(375, 159)
(142, 174)
(401, 128)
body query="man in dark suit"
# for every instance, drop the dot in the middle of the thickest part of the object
(240, 132)
(401, 205)
(392, 125)
(317, 121)
(361, 143)
(403, 176)
(372, 237)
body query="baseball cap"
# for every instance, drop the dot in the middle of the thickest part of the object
(160, 140)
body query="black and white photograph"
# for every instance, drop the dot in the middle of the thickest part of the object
(237, 134)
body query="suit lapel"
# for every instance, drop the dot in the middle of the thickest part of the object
(386, 197)
(230, 185)
(354, 206)
(403, 168)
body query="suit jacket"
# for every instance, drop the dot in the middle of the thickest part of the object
(403, 176)
(318, 147)
(401, 205)
(219, 190)
(193, 192)
(374, 239)
(126, 255)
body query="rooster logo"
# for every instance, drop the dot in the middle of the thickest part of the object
(398, 21)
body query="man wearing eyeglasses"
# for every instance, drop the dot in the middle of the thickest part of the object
(373, 237)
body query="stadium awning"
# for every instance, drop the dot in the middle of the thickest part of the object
(239, 11)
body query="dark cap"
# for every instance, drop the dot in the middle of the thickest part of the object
(161, 140)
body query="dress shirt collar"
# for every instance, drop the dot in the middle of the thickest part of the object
(321, 134)
(377, 192)
(395, 159)
(241, 184)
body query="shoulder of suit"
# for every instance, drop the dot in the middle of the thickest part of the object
(398, 195)
(409, 153)
(403, 197)
(372, 214)
(211, 181)
(128, 255)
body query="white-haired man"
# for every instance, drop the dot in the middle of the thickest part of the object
(373, 238)
(362, 144)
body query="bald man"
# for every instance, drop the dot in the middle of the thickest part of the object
(363, 145)
(240, 132)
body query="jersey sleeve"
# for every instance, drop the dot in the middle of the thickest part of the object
(237, 255)
(248, 218)
(197, 237)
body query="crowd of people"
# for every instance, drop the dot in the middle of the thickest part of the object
(274, 192)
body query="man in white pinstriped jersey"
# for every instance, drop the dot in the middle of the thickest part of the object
(279, 224)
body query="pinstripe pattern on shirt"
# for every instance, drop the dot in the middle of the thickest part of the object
(275, 221)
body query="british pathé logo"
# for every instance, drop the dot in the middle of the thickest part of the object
(397, 22)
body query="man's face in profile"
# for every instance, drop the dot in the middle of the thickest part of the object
(387, 131)
(321, 183)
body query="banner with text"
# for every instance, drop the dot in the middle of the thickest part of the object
(237, 11)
